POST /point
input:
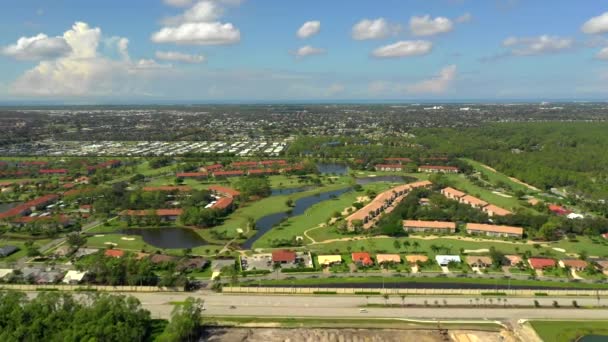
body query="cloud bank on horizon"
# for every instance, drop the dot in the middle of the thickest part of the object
(250, 50)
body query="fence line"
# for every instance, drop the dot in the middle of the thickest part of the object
(393, 291)
(84, 288)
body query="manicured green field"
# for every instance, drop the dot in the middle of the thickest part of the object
(379, 280)
(135, 243)
(584, 243)
(496, 177)
(258, 209)
(315, 215)
(387, 245)
(461, 183)
(568, 331)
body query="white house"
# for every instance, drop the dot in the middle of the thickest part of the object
(444, 260)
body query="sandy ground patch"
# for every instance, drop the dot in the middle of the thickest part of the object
(110, 243)
(482, 250)
(310, 334)
(347, 212)
(361, 199)
(513, 179)
(99, 235)
(127, 238)
(559, 249)
(498, 193)
(489, 168)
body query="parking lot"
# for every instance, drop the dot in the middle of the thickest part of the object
(143, 148)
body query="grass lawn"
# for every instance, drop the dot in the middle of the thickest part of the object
(495, 177)
(379, 280)
(460, 182)
(315, 215)
(386, 245)
(258, 209)
(366, 323)
(584, 243)
(567, 331)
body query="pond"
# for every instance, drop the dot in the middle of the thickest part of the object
(332, 168)
(266, 223)
(593, 338)
(6, 206)
(167, 237)
(289, 191)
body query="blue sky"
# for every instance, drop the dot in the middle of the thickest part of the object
(275, 50)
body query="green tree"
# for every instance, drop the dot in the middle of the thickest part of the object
(185, 324)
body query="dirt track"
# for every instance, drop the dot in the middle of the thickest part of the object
(346, 335)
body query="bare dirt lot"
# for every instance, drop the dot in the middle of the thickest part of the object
(346, 335)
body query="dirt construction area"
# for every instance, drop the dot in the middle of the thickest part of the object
(348, 335)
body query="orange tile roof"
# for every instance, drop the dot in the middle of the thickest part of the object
(222, 203)
(191, 174)
(428, 224)
(574, 263)
(498, 211)
(114, 253)
(226, 191)
(495, 229)
(283, 256)
(437, 167)
(454, 192)
(414, 258)
(380, 258)
(362, 257)
(474, 200)
(157, 212)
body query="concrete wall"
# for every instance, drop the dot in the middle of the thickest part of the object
(99, 288)
(352, 291)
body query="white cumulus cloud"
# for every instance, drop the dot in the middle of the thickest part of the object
(308, 50)
(405, 48)
(203, 11)
(214, 33)
(37, 47)
(427, 26)
(373, 29)
(309, 29)
(596, 25)
(544, 44)
(602, 54)
(436, 85)
(199, 25)
(83, 72)
(179, 57)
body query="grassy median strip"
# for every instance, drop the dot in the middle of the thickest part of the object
(566, 331)
(346, 281)
(331, 322)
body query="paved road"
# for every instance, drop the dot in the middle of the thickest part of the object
(347, 306)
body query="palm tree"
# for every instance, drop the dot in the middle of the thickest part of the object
(385, 299)
(402, 300)
(416, 245)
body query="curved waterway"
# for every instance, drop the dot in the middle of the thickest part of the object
(266, 223)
